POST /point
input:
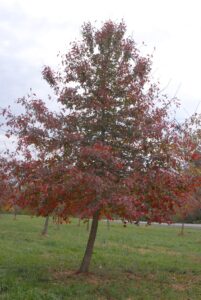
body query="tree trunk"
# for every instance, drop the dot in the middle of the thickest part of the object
(108, 225)
(137, 222)
(88, 223)
(182, 229)
(58, 223)
(90, 245)
(15, 212)
(58, 226)
(44, 231)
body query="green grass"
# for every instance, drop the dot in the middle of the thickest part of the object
(128, 263)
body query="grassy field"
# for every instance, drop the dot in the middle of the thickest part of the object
(128, 263)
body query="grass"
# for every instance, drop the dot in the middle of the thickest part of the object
(128, 263)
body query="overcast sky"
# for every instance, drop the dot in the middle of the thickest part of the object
(32, 32)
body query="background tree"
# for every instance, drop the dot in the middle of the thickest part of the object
(4, 204)
(191, 208)
(187, 210)
(111, 150)
(7, 186)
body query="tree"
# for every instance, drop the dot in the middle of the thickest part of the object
(3, 183)
(6, 186)
(188, 208)
(192, 207)
(111, 150)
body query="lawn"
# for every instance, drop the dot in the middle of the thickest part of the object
(128, 263)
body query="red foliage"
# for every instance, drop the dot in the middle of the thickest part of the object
(112, 147)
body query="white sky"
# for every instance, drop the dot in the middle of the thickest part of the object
(32, 32)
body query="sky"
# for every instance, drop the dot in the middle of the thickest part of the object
(33, 32)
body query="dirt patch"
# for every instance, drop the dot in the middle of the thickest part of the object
(185, 282)
(69, 275)
(195, 258)
(179, 287)
(143, 250)
(63, 275)
(164, 250)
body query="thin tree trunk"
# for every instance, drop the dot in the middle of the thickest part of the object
(84, 268)
(44, 231)
(58, 223)
(182, 229)
(108, 225)
(137, 222)
(88, 223)
(15, 213)
(79, 222)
